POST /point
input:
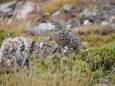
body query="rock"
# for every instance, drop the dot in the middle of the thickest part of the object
(71, 23)
(86, 22)
(24, 9)
(56, 13)
(113, 26)
(14, 52)
(104, 23)
(97, 21)
(19, 5)
(112, 20)
(106, 15)
(90, 16)
(43, 27)
(79, 9)
(106, 6)
(8, 66)
(44, 48)
(19, 48)
(67, 7)
(31, 33)
(8, 7)
(58, 18)
(7, 11)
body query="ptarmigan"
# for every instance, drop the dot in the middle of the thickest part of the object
(65, 39)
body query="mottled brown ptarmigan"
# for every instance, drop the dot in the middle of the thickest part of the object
(65, 39)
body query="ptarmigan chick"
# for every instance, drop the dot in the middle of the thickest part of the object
(65, 39)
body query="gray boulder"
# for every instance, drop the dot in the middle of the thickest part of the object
(8, 8)
(90, 16)
(24, 9)
(71, 23)
(106, 15)
(107, 6)
(19, 48)
(43, 27)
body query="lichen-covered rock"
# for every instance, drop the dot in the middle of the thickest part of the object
(8, 65)
(19, 49)
(45, 50)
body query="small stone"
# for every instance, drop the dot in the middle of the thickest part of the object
(86, 22)
(56, 13)
(104, 23)
(112, 20)
(71, 23)
(90, 16)
(106, 6)
(67, 7)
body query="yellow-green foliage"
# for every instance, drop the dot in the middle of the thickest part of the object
(97, 40)
(5, 34)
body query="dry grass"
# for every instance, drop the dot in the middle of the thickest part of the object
(17, 27)
(45, 78)
(52, 5)
(101, 31)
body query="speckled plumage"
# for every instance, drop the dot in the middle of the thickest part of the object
(65, 38)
